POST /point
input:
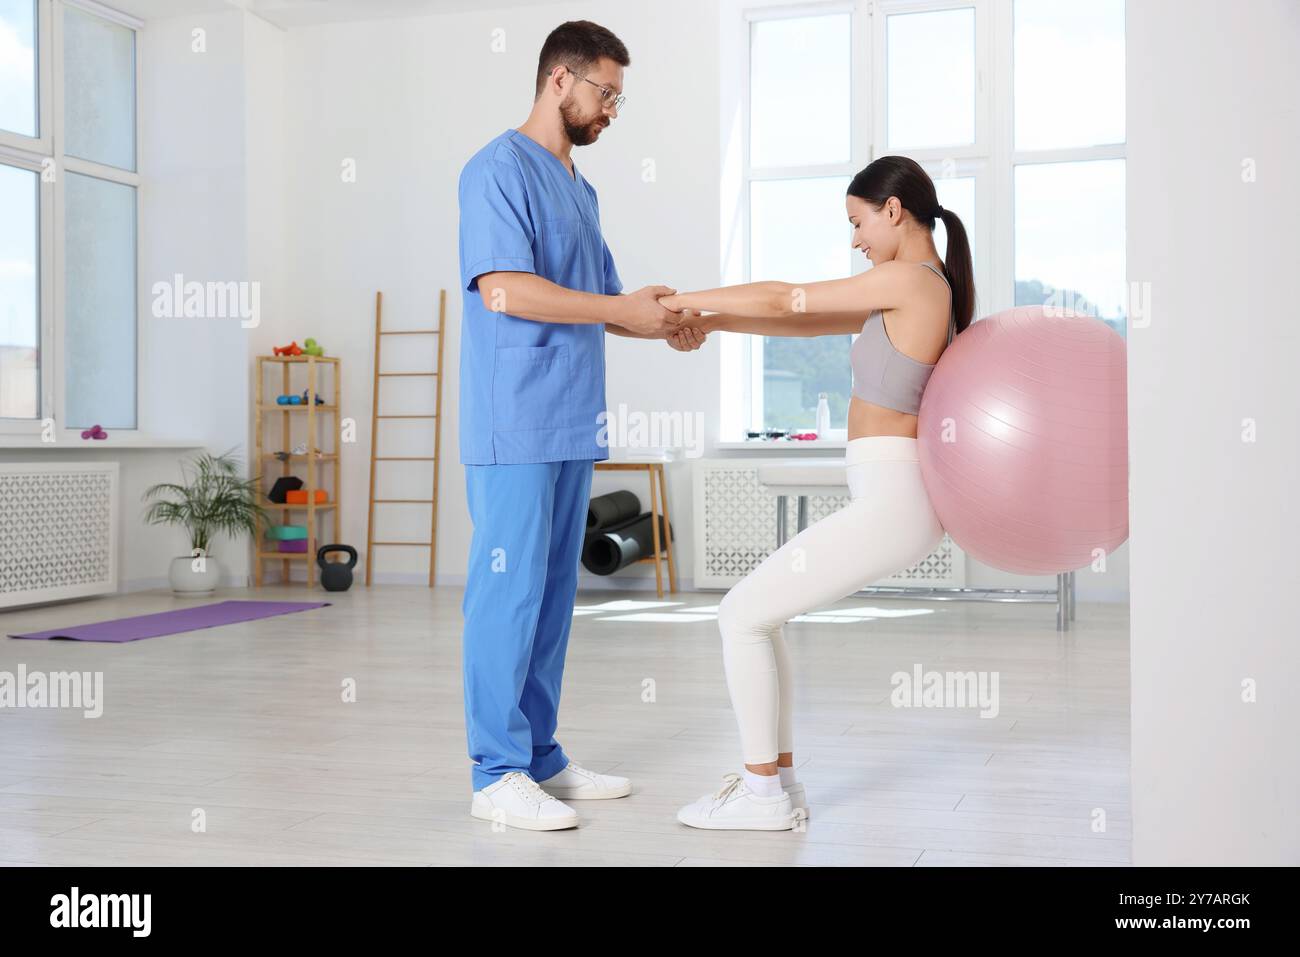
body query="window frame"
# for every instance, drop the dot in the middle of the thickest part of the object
(977, 160)
(751, 348)
(991, 160)
(879, 12)
(41, 142)
(36, 153)
(1012, 157)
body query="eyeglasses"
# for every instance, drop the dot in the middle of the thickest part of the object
(607, 96)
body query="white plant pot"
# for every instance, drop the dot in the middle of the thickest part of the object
(194, 577)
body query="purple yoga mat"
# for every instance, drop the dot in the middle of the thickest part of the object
(172, 622)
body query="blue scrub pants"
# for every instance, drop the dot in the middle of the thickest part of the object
(529, 523)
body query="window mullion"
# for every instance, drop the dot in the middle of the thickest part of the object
(45, 73)
(22, 158)
(73, 164)
(1073, 154)
(108, 13)
(55, 367)
(46, 284)
(1001, 204)
(800, 172)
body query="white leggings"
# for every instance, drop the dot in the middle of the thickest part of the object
(888, 525)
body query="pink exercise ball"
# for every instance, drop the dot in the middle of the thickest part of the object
(1023, 440)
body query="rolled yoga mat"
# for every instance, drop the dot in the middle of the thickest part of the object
(612, 510)
(607, 550)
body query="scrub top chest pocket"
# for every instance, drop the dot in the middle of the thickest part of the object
(572, 247)
(530, 388)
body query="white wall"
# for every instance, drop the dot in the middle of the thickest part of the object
(1214, 518)
(410, 101)
(193, 217)
(193, 222)
(267, 225)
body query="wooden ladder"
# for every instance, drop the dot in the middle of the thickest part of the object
(375, 457)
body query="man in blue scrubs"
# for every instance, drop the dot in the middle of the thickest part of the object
(540, 292)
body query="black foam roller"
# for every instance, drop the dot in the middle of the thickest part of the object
(607, 550)
(612, 510)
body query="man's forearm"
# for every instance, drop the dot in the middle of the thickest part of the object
(628, 333)
(529, 296)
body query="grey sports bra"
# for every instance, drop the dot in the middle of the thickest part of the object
(884, 376)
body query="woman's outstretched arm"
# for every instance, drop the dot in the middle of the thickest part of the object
(800, 326)
(882, 287)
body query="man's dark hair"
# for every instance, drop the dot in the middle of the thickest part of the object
(577, 44)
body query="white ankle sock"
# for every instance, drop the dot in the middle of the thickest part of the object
(764, 785)
(787, 776)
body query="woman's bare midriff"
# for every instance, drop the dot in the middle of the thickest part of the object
(867, 419)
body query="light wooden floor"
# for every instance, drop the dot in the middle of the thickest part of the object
(246, 722)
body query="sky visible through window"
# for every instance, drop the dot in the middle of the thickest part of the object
(17, 67)
(18, 225)
(18, 257)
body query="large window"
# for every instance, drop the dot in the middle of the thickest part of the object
(1014, 107)
(68, 192)
(1068, 156)
(800, 162)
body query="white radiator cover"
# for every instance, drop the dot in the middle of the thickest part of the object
(735, 529)
(58, 530)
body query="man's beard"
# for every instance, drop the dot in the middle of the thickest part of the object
(579, 132)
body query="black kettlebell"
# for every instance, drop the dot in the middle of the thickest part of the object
(335, 576)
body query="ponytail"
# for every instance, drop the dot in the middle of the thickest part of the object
(960, 269)
(903, 177)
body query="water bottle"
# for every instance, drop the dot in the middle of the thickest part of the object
(823, 416)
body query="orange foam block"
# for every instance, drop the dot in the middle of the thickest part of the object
(299, 497)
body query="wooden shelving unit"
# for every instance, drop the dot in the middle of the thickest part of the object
(312, 462)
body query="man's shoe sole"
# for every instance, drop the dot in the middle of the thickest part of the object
(527, 823)
(587, 794)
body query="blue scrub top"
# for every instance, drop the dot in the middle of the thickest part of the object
(530, 391)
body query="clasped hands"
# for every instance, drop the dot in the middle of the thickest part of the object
(647, 314)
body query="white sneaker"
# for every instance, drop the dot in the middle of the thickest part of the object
(734, 807)
(516, 800)
(575, 783)
(798, 799)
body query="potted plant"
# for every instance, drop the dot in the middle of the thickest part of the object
(214, 498)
